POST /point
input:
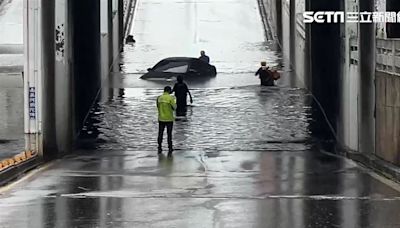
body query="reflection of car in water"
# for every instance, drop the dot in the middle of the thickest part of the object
(189, 68)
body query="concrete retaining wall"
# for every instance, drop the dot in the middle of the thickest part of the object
(388, 117)
(362, 112)
(88, 40)
(284, 21)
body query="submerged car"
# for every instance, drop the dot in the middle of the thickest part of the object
(189, 68)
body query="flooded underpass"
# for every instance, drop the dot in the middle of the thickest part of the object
(245, 155)
(242, 118)
(230, 111)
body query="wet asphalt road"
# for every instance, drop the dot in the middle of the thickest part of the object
(245, 155)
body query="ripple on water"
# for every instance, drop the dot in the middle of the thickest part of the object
(242, 118)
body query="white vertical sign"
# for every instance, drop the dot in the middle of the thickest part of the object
(32, 73)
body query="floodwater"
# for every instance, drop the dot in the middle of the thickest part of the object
(227, 36)
(245, 155)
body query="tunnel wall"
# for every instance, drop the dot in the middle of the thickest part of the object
(306, 51)
(106, 39)
(387, 80)
(274, 22)
(68, 57)
(348, 129)
(352, 68)
(325, 57)
(318, 59)
(388, 117)
(63, 83)
(48, 79)
(367, 40)
(285, 21)
(86, 56)
(102, 54)
(97, 40)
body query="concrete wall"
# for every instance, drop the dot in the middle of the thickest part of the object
(106, 39)
(63, 93)
(272, 17)
(388, 100)
(348, 131)
(284, 20)
(299, 39)
(387, 81)
(388, 117)
(86, 57)
(352, 69)
(48, 117)
(70, 48)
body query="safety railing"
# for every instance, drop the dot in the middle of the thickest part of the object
(129, 8)
(388, 56)
(354, 57)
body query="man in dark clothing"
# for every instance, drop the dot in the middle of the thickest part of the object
(181, 90)
(203, 57)
(265, 75)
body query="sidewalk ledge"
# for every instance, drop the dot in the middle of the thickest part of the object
(16, 171)
(375, 163)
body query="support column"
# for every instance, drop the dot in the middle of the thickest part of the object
(279, 19)
(47, 83)
(121, 15)
(367, 49)
(48, 80)
(86, 53)
(32, 75)
(63, 79)
(325, 47)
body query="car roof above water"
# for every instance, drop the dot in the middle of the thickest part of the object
(181, 59)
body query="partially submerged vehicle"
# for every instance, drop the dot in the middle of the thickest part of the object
(189, 68)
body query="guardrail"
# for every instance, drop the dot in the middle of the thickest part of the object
(388, 56)
(129, 9)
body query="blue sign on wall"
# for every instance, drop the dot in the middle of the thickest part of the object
(32, 103)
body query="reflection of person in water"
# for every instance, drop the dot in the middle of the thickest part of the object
(265, 75)
(181, 90)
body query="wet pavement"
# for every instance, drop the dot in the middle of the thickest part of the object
(11, 83)
(245, 155)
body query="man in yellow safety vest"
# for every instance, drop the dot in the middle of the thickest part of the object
(166, 105)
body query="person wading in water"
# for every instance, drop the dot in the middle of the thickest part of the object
(265, 75)
(181, 90)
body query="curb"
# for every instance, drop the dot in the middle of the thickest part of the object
(376, 164)
(370, 161)
(15, 167)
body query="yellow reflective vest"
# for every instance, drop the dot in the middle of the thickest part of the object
(166, 105)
